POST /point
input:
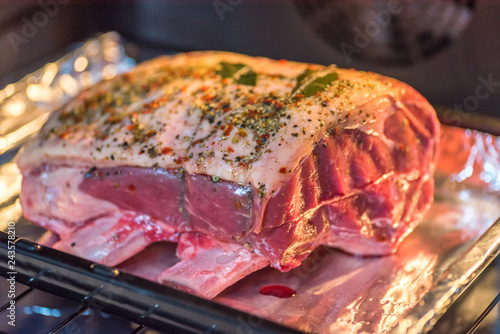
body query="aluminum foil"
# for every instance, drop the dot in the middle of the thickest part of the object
(335, 292)
(24, 105)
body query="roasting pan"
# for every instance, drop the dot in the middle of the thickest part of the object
(63, 293)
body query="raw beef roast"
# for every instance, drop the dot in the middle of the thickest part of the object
(244, 162)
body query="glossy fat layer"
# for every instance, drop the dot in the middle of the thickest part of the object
(178, 112)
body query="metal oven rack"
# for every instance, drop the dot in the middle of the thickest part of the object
(105, 289)
(144, 303)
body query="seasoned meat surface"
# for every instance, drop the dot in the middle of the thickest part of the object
(243, 161)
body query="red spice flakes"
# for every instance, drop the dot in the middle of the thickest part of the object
(166, 150)
(230, 149)
(114, 119)
(155, 103)
(228, 129)
(253, 113)
(130, 127)
(283, 170)
(64, 135)
(279, 105)
(208, 98)
(181, 159)
(150, 133)
(147, 111)
(131, 187)
(204, 88)
(237, 204)
(154, 85)
(227, 109)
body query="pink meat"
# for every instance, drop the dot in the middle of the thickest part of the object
(359, 185)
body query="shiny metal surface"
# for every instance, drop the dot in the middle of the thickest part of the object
(337, 292)
(403, 293)
(24, 105)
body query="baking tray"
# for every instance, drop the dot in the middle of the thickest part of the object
(403, 293)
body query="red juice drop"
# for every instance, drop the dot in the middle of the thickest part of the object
(279, 291)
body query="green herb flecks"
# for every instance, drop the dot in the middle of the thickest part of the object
(262, 191)
(310, 83)
(301, 77)
(240, 73)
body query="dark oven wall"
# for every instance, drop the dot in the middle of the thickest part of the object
(448, 50)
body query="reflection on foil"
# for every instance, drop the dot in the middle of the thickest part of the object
(335, 292)
(24, 106)
(470, 157)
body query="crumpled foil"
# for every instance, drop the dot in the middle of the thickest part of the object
(335, 292)
(24, 105)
